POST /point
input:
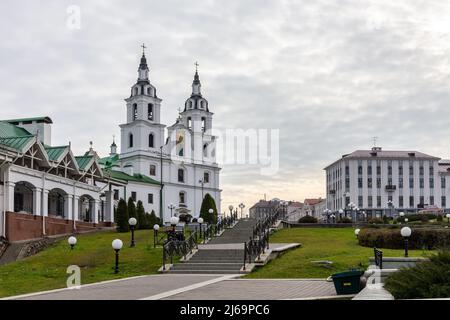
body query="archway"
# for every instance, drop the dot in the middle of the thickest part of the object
(86, 208)
(56, 203)
(23, 197)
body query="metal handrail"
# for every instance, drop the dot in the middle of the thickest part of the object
(179, 248)
(254, 248)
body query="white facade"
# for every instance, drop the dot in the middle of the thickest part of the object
(189, 167)
(386, 182)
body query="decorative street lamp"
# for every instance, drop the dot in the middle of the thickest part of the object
(72, 242)
(406, 220)
(200, 222)
(132, 222)
(241, 206)
(357, 232)
(341, 212)
(174, 221)
(155, 234)
(333, 217)
(406, 233)
(171, 207)
(117, 245)
(230, 207)
(390, 205)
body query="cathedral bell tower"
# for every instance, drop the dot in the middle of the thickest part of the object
(198, 119)
(143, 129)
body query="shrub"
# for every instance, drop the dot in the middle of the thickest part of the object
(376, 221)
(391, 238)
(307, 219)
(122, 216)
(429, 279)
(344, 220)
(440, 218)
(208, 203)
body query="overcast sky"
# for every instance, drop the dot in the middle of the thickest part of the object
(330, 75)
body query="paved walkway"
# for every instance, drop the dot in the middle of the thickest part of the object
(188, 287)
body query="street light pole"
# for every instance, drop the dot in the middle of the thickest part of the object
(406, 233)
(161, 216)
(132, 222)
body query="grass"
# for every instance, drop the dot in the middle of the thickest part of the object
(338, 245)
(93, 254)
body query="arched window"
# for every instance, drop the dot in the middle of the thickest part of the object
(180, 175)
(189, 123)
(151, 140)
(190, 104)
(136, 91)
(149, 91)
(205, 150)
(130, 140)
(135, 111)
(202, 104)
(182, 197)
(152, 170)
(203, 124)
(150, 111)
(206, 177)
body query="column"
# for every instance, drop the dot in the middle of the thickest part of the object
(37, 197)
(68, 206)
(109, 206)
(44, 203)
(96, 210)
(9, 192)
(75, 208)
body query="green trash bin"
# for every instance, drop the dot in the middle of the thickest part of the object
(347, 282)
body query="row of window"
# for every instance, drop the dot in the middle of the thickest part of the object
(400, 170)
(181, 197)
(401, 201)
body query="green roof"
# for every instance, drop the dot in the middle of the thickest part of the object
(119, 175)
(8, 130)
(55, 152)
(16, 143)
(43, 119)
(83, 161)
(108, 162)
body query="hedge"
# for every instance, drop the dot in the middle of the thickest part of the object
(391, 238)
(307, 219)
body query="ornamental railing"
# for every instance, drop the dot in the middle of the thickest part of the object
(176, 248)
(255, 247)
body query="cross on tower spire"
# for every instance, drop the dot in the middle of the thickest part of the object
(196, 66)
(143, 48)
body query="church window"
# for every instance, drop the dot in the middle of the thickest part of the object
(202, 104)
(203, 124)
(136, 91)
(180, 175)
(133, 195)
(205, 150)
(150, 198)
(189, 123)
(190, 104)
(150, 111)
(181, 152)
(152, 170)
(130, 140)
(182, 197)
(135, 111)
(206, 177)
(151, 140)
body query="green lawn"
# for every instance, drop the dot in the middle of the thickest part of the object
(93, 253)
(335, 244)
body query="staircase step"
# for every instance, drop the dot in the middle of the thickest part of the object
(205, 271)
(207, 266)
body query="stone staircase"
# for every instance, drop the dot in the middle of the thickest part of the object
(217, 257)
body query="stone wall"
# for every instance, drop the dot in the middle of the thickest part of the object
(21, 226)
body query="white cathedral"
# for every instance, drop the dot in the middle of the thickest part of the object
(184, 161)
(46, 190)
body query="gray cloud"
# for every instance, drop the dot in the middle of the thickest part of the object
(330, 75)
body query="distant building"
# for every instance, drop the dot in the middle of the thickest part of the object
(294, 211)
(381, 182)
(313, 207)
(264, 208)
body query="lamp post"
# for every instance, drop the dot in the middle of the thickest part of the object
(132, 222)
(155, 234)
(401, 214)
(333, 217)
(171, 207)
(357, 232)
(341, 211)
(200, 222)
(72, 242)
(117, 245)
(241, 206)
(230, 207)
(406, 233)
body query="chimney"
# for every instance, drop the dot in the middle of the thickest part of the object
(42, 127)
